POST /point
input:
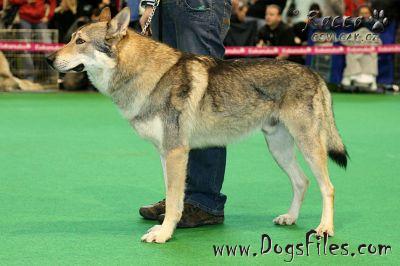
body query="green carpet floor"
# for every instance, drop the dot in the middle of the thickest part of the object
(73, 174)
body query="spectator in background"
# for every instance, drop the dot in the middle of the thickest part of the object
(277, 33)
(88, 11)
(241, 31)
(392, 11)
(362, 69)
(351, 6)
(302, 9)
(239, 11)
(333, 7)
(34, 14)
(65, 15)
(389, 70)
(328, 7)
(257, 7)
(7, 14)
(299, 26)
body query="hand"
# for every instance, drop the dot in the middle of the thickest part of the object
(44, 20)
(31, 1)
(145, 17)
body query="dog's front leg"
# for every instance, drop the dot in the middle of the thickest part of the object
(175, 164)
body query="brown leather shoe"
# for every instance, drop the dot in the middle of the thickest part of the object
(193, 217)
(151, 212)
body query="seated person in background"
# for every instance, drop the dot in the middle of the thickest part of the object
(241, 32)
(362, 69)
(333, 7)
(239, 11)
(277, 33)
(351, 7)
(65, 15)
(257, 7)
(34, 15)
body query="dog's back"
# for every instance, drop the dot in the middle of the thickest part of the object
(246, 94)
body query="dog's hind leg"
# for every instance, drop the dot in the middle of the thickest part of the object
(315, 153)
(281, 145)
(175, 165)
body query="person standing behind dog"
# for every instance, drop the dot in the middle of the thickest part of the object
(199, 27)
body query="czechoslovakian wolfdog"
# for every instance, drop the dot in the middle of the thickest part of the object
(182, 101)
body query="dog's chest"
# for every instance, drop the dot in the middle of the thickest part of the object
(151, 129)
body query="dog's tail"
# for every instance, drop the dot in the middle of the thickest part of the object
(336, 149)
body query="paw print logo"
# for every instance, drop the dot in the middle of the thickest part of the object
(378, 21)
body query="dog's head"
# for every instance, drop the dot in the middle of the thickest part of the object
(93, 45)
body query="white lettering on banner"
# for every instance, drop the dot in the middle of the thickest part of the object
(29, 47)
(233, 50)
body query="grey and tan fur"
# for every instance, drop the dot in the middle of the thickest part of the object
(182, 101)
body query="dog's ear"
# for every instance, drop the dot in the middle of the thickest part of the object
(118, 26)
(105, 15)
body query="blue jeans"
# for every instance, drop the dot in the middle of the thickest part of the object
(199, 27)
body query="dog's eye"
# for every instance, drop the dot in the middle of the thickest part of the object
(79, 41)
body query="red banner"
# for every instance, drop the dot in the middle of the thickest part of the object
(234, 50)
(309, 50)
(29, 46)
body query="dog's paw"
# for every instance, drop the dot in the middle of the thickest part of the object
(324, 229)
(156, 234)
(285, 219)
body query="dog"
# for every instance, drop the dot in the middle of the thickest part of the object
(182, 101)
(8, 82)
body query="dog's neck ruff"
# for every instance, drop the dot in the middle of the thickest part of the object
(100, 78)
(101, 74)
